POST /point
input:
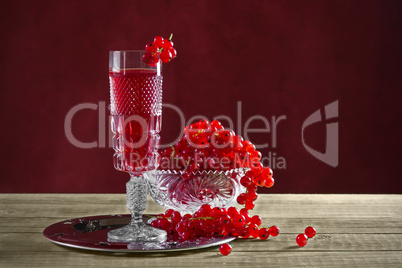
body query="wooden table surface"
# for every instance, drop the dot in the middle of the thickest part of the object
(352, 231)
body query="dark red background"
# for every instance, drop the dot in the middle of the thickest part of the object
(276, 57)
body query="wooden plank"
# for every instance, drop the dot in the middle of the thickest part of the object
(325, 225)
(66, 205)
(353, 231)
(276, 206)
(283, 242)
(203, 258)
(343, 199)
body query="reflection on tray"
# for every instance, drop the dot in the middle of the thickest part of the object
(95, 225)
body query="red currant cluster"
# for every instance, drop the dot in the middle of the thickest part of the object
(209, 222)
(301, 239)
(208, 146)
(159, 49)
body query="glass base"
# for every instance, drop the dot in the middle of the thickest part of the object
(137, 232)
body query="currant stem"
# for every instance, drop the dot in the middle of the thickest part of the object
(200, 131)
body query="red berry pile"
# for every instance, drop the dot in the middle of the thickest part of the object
(159, 49)
(213, 222)
(209, 146)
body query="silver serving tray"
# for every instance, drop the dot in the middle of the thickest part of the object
(91, 233)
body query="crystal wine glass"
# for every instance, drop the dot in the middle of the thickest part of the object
(136, 110)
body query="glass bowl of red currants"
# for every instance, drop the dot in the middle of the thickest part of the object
(188, 192)
(208, 165)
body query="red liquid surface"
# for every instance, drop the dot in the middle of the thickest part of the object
(136, 107)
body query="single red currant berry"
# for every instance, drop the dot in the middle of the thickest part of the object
(186, 174)
(211, 163)
(166, 56)
(256, 167)
(203, 124)
(274, 230)
(232, 211)
(152, 59)
(253, 228)
(249, 205)
(256, 219)
(167, 44)
(266, 172)
(226, 135)
(245, 181)
(301, 240)
(215, 126)
(181, 227)
(163, 223)
(244, 212)
(252, 196)
(150, 47)
(248, 146)
(216, 212)
(239, 221)
(173, 52)
(232, 230)
(176, 217)
(310, 231)
(225, 220)
(252, 188)
(263, 233)
(169, 212)
(241, 199)
(205, 210)
(244, 232)
(158, 41)
(237, 143)
(154, 224)
(186, 217)
(259, 181)
(206, 226)
(225, 249)
(255, 155)
(250, 174)
(217, 228)
(194, 167)
(186, 235)
(269, 182)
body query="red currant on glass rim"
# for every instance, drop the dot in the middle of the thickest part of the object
(310, 231)
(166, 56)
(301, 240)
(151, 48)
(159, 49)
(158, 41)
(225, 249)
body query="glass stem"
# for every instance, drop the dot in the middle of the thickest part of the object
(136, 197)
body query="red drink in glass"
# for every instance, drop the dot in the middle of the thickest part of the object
(136, 108)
